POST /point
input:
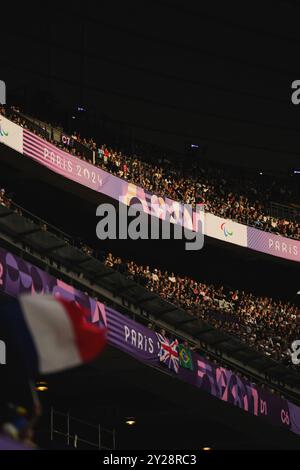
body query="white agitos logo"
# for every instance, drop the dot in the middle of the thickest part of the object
(2, 92)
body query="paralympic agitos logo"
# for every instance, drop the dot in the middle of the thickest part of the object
(3, 133)
(226, 231)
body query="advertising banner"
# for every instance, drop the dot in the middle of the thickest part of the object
(225, 230)
(18, 276)
(95, 178)
(11, 134)
(273, 244)
(86, 174)
(145, 345)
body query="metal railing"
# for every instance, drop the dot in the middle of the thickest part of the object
(283, 211)
(229, 361)
(51, 133)
(74, 428)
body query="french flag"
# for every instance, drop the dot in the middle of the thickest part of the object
(49, 334)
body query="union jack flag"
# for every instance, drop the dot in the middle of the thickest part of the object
(168, 353)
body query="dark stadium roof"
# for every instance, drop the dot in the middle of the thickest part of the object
(215, 73)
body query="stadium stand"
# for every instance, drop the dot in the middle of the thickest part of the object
(149, 231)
(261, 322)
(221, 192)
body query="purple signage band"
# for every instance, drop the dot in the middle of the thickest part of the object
(95, 178)
(18, 276)
(72, 167)
(84, 173)
(273, 244)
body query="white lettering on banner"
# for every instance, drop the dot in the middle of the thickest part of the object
(138, 340)
(263, 407)
(215, 227)
(57, 160)
(285, 418)
(283, 246)
(64, 163)
(11, 134)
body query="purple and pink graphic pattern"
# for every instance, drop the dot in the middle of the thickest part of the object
(18, 276)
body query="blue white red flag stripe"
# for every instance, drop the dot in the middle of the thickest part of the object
(52, 334)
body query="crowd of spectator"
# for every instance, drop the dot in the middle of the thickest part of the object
(221, 192)
(222, 308)
(262, 322)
